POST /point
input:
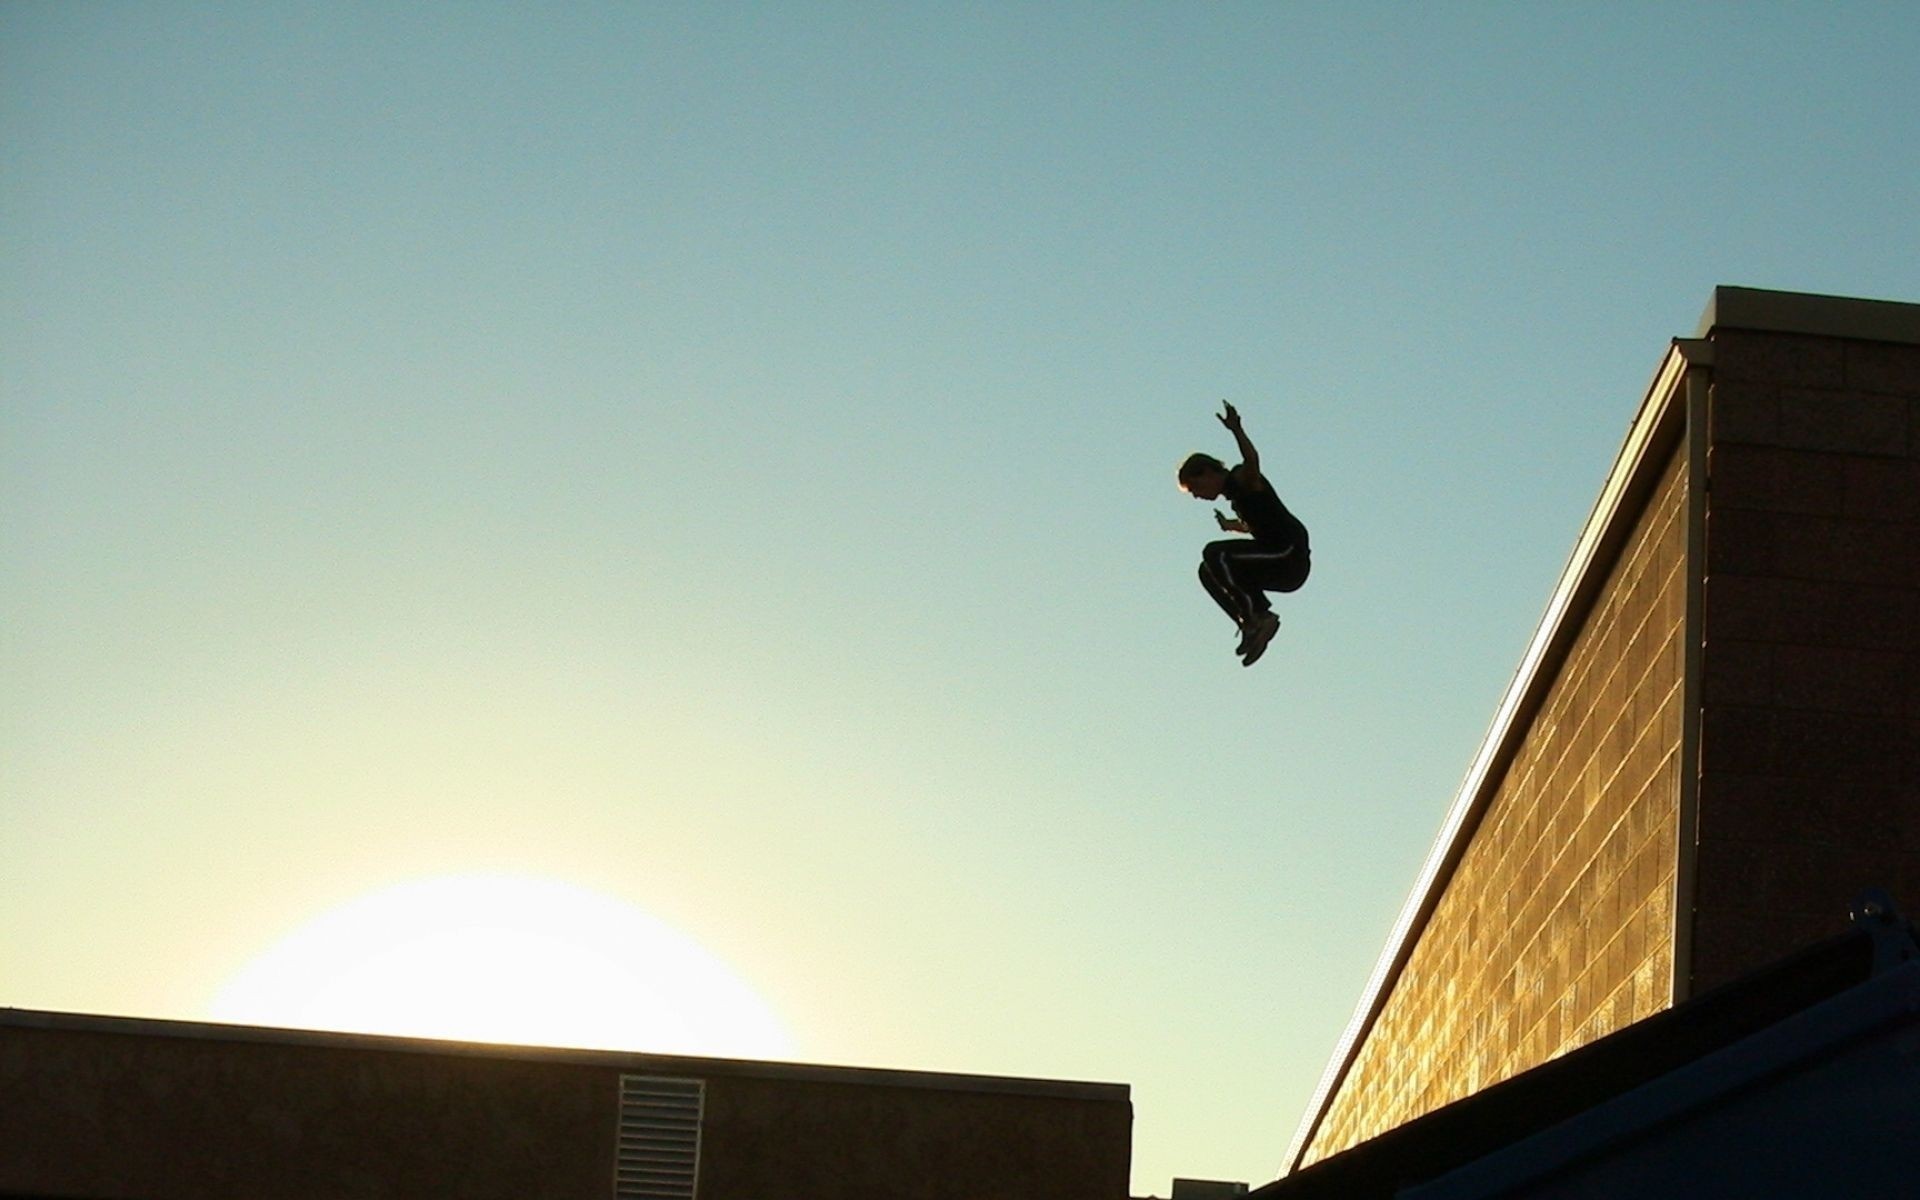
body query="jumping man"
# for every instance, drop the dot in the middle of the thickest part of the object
(1275, 557)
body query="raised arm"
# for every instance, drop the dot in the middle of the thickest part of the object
(1249, 457)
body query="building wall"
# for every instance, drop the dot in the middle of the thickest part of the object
(136, 1111)
(774, 1138)
(1810, 772)
(1600, 879)
(111, 1115)
(1556, 926)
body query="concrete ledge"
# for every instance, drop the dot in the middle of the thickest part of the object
(1820, 316)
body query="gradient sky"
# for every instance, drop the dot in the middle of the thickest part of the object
(721, 457)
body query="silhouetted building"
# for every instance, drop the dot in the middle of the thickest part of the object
(112, 1108)
(1710, 748)
(1797, 1080)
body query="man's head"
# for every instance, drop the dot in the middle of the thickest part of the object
(1202, 476)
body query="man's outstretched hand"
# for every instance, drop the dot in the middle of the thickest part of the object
(1249, 468)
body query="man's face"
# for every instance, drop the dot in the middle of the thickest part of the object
(1206, 485)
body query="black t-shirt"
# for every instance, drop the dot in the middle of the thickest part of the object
(1267, 518)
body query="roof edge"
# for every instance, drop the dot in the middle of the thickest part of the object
(1812, 314)
(629, 1060)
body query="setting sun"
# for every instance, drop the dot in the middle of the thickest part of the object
(504, 959)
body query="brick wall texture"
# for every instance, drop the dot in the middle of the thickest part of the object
(1809, 775)
(118, 1114)
(1557, 925)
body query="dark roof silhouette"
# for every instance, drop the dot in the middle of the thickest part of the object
(1629, 1068)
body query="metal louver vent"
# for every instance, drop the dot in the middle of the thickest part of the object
(659, 1140)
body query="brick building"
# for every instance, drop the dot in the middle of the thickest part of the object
(1795, 1080)
(1710, 746)
(110, 1108)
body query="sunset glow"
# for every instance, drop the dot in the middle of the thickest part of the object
(504, 959)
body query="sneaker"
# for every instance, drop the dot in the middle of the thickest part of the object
(1259, 633)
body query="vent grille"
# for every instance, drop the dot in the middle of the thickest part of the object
(659, 1139)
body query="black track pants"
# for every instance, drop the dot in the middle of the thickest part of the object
(1238, 572)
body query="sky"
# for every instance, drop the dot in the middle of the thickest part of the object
(717, 461)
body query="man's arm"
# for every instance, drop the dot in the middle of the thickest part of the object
(1249, 457)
